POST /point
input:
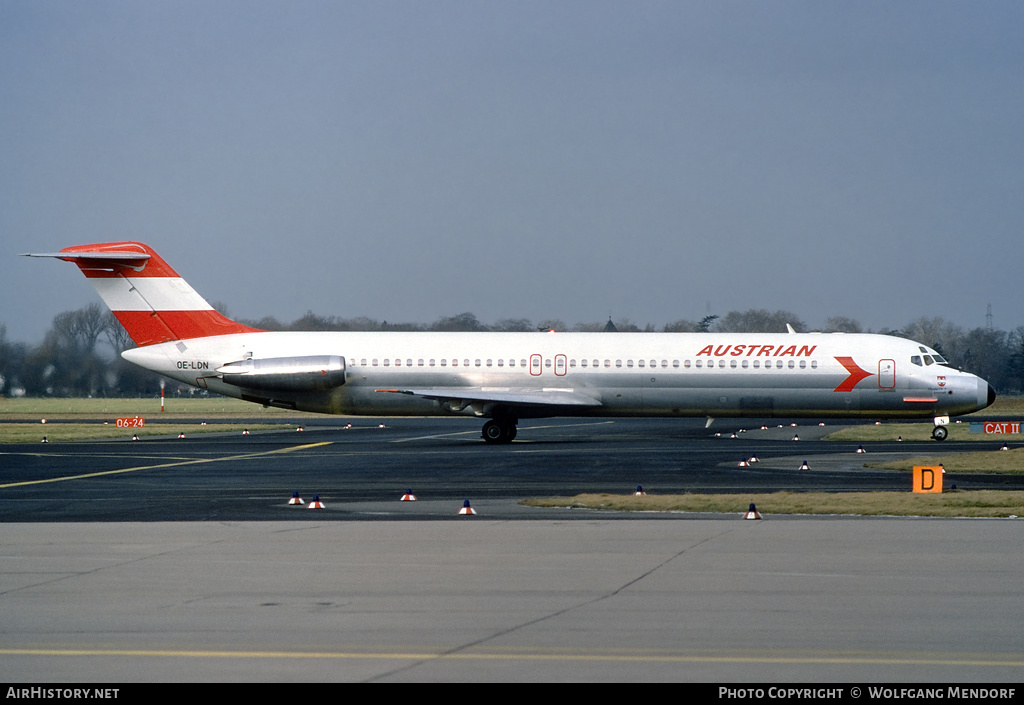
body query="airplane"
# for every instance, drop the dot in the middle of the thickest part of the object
(506, 377)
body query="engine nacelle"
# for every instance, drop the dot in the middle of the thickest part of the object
(309, 373)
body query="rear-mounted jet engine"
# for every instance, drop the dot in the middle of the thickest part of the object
(310, 373)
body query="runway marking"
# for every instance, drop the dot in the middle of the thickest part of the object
(193, 461)
(436, 435)
(1016, 661)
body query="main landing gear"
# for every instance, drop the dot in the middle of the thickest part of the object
(499, 431)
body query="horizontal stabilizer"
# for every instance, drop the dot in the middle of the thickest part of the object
(97, 258)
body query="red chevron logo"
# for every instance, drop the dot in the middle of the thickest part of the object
(856, 374)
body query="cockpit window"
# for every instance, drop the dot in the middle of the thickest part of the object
(939, 359)
(928, 360)
(916, 359)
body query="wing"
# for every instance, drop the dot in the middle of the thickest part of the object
(484, 399)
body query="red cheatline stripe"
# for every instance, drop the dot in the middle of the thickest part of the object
(924, 400)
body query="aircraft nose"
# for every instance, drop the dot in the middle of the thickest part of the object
(991, 395)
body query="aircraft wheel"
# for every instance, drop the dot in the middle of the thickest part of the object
(940, 433)
(499, 432)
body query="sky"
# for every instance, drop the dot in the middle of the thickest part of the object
(554, 159)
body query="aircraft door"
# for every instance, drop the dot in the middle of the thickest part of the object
(560, 365)
(536, 365)
(886, 374)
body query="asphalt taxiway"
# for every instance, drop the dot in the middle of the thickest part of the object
(443, 462)
(181, 560)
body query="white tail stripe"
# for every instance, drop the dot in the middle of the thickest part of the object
(149, 294)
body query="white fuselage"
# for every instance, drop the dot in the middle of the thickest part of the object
(599, 374)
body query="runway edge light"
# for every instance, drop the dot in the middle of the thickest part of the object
(466, 509)
(296, 500)
(316, 503)
(408, 496)
(752, 513)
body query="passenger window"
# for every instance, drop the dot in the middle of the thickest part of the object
(792, 364)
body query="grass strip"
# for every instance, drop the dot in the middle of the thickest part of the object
(973, 503)
(68, 432)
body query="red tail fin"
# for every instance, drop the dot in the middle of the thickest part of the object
(150, 299)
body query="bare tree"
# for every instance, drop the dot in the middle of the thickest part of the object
(117, 337)
(842, 324)
(759, 320)
(681, 326)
